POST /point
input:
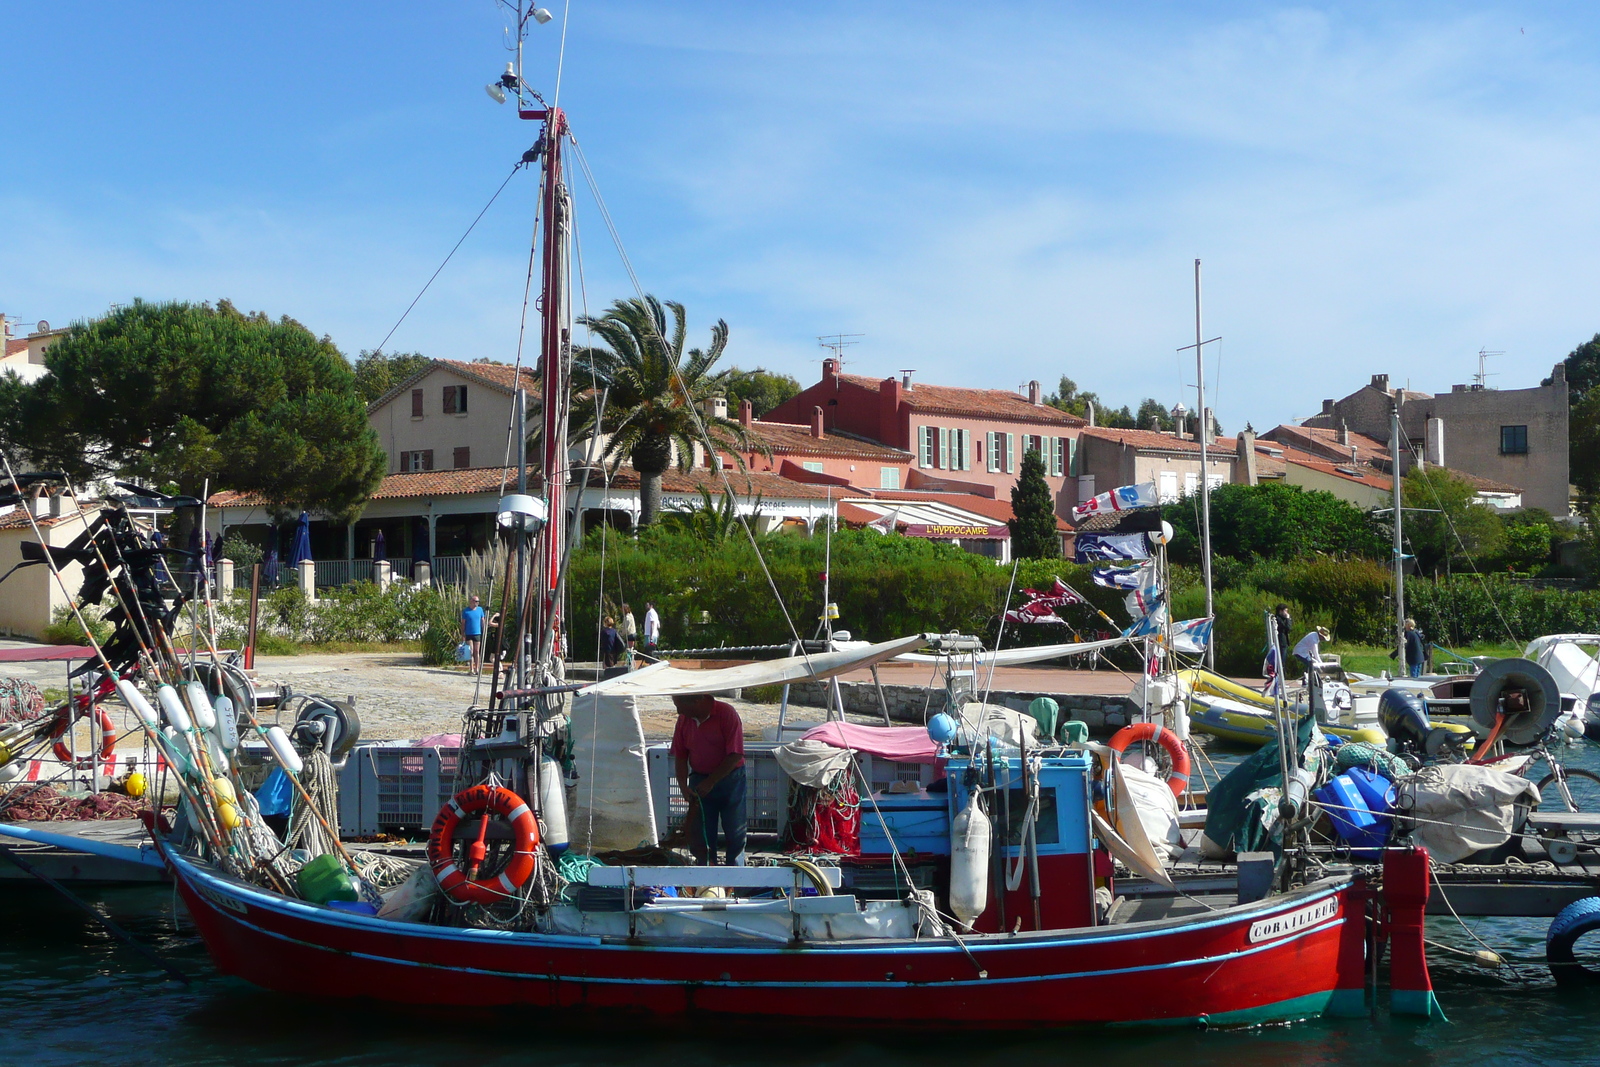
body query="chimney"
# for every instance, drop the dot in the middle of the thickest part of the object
(816, 422)
(1327, 407)
(1155, 423)
(1344, 432)
(40, 503)
(905, 379)
(1033, 394)
(1380, 382)
(746, 413)
(1088, 412)
(1433, 446)
(1458, 388)
(889, 397)
(715, 407)
(830, 370)
(1208, 426)
(58, 503)
(1557, 375)
(1245, 450)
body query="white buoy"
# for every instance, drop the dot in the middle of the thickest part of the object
(227, 724)
(278, 741)
(200, 704)
(172, 704)
(135, 700)
(552, 805)
(969, 862)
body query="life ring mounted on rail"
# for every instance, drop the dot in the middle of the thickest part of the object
(108, 737)
(1178, 780)
(465, 886)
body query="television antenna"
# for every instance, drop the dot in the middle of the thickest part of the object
(837, 343)
(1483, 375)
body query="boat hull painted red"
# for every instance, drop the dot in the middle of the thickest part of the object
(1279, 960)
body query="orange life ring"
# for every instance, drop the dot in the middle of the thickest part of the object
(108, 738)
(464, 885)
(1178, 780)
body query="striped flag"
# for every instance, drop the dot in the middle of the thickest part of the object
(1119, 499)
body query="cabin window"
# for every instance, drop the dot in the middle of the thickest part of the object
(1513, 440)
(1047, 824)
(455, 400)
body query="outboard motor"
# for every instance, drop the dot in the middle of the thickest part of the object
(1404, 717)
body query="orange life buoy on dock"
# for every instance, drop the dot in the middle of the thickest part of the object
(108, 738)
(465, 885)
(1178, 780)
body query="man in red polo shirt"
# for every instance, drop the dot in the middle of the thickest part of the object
(708, 755)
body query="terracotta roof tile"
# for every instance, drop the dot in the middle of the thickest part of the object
(977, 403)
(1155, 441)
(17, 518)
(785, 438)
(1362, 473)
(1324, 441)
(15, 345)
(495, 375)
(1484, 485)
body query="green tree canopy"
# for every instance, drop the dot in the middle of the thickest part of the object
(1273, 521)
(185, 394)
(654, 391)
(1445, 527)
(1583, 370)
(378, 372)
(763, 388)
(1033, 527)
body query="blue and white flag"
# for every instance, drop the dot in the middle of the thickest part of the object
(1152, 625)
(1120, 577)
(1102, 548)
(1119, 499)
(1142, 602)
(1191, 636)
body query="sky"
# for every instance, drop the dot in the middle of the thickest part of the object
(986, 193)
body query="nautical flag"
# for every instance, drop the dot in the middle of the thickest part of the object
(1119, 499)
(1120, 577)
(1101, 548)
(885, 525)
(1191, 636)
(1145, 596)
(1040, 607)
(1149, 626)
(1035, 612)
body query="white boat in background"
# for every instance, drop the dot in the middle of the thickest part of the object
(1574, 661)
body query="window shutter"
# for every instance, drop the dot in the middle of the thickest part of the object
(449, 400)
(463, 457)
(992, 451)
(416, 403)
(966, 450)
(1011, 453)
(944, 448)
(427, 459)
(923, 459)
(1056, 453)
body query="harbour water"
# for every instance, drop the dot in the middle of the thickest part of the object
(76, 996)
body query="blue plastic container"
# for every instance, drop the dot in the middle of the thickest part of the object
(1353, 819)
(1375, 789)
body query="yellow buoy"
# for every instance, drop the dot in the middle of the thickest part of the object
(224, 790)
(228, 814)
(134, 784)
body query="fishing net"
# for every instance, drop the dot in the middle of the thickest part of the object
(1363, 754)
(19, 700)
(47, 804)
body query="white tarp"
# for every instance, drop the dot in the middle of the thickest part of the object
(1460, 809)
(1011, 656)
(662, 679)
(1156, 806)
(612, 808)
(812, 763)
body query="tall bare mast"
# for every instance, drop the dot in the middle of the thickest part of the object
(1399, 544)
(1205, 468)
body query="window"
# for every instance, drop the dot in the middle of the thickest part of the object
(944, 448)
(815, 468)
(960, 450)
(991, 451)
(1191, 483)
(1011, 453)
(463, 457)
(1168, 487)
(1058, 457)
(1513, 440)
(1214, 480)
(925, 446)
(420, 460)
(455, 400)
(888, 477)
(416, 403)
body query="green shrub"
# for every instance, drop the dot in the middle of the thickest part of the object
(1240, 632)
(244, 554)
(64, 628)
(439, 612)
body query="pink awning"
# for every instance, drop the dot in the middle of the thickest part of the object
(903, 744)
(36, 653)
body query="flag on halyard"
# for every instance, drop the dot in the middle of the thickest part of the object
(1120, 499)
(1102, 548)
(1120, 577)
(1151, 625)
(1191, 636)
(885, 525)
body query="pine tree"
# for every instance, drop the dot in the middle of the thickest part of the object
(1033, 530)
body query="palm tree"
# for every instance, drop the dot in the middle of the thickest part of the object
(654, 391)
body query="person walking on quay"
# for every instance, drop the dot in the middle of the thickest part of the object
(1416, 649)
(611, 646)
(472, 632)
(652, 628)
(1282, 620)
(708, 758)
(630, 632)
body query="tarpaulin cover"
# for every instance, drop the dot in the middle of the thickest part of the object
(903, 744)
(1467, 808)
(612, 807)
(1012, 656)
(662, 679)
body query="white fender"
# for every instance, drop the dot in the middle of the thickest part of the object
(170, 703)
(205, 716)
(278, 741)
(969, 862)
(135, 700)
(552, 806)
(227, 724)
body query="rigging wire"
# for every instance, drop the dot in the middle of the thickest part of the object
(515, 167)
(694, 412)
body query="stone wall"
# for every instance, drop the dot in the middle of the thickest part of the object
(910, 704)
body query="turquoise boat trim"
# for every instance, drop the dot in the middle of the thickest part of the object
(1416, 1002)
(1346, 1003)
